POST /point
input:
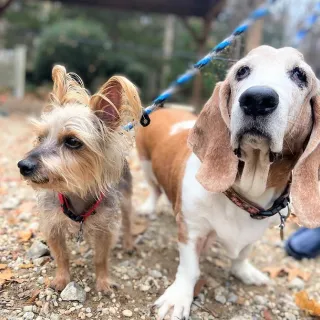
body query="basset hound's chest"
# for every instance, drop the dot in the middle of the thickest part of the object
(204, 211)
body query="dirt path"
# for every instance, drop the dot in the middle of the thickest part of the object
(143, 276)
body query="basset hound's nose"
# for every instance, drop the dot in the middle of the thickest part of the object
(259, 101)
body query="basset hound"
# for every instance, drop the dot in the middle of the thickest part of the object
(257, 134)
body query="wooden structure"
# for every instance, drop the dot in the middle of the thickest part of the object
(207, 10)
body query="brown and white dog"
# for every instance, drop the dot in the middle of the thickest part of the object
(261, 123)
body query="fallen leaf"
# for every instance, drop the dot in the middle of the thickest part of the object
(139, 226)
(33, 297)
(47, 282)
(306, 304)
(5, 275)
(267, 315)
(3, 266)
(26, 266)
(198, 287)
(273, 271)
(292, 272)
(25, 236)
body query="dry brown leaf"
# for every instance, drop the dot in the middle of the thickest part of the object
(292, 272)
(198, 287)
(139, 226)
(33, 297)
(3, 266)
(306, 304)
(273, 271)
(5, 275)
(25, 236)
(47, 282)
(26, 266)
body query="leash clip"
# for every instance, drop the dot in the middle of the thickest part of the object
(283, 219)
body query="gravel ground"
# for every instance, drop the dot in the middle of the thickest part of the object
(143, 276)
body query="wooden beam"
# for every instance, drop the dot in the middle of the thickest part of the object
(188, 26)
(5, 6)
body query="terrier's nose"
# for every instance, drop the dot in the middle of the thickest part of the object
(259, 101)
(27, 166)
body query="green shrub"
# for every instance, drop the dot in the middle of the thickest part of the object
(81, 46)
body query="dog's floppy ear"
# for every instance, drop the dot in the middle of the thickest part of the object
(210, 141)
(117, 101)
(305, 179)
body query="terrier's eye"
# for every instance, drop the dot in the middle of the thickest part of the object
(243, 73)
(298, 76)
(72, 143)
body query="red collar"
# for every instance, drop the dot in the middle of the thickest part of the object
(256, 211)
(64, 202)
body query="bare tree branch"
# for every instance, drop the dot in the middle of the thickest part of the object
(5, 6)
(193, 33)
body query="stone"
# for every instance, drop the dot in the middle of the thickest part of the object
(290, 316)
(45, 309)
(38, 250)
(220, 298)
(127, 313)
(73, 292)
(10, 203)
(155, 273)
(28, 315)
(233, 298)
(54, 316)
(296, 283)
(260, 300)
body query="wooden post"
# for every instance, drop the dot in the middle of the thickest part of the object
(20, 71)
(255, 33)
(168, 41)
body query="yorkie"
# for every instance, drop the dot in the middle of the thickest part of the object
(78, 167)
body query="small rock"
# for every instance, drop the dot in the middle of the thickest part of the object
(233, 298)
(73, 292)
(38, 250)
(81, 315)
(28, 315)
(10, 203)
(145, 287)
(54, 316)
(87, 289)
(290, 316)
(45, 309)
(155, 273)
(127, 313)
(220, 298)
(40, 261)
(260, 300)
(296, 283)
(27, 308)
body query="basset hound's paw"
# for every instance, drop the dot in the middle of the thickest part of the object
(249, 274)
(178, 297)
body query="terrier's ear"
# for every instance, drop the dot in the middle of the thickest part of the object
(117, 101)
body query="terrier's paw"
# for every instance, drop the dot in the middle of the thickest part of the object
(106, 286)
(178, 297)
(128, 245)
(249, 274)
(59, 282)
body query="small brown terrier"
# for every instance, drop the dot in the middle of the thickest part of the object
(79, 169)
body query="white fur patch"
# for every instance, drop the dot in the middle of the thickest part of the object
(180, 126)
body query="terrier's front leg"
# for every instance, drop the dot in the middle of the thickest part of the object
(246, 272)
(179, 295)
(103, 243)
(58, 249)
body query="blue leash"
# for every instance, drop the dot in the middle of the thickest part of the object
(257, 14)
(308, 24)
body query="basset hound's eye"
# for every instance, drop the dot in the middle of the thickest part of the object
(243, 73)
(299, 77)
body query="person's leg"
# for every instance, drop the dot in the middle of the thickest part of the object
(304, 243)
